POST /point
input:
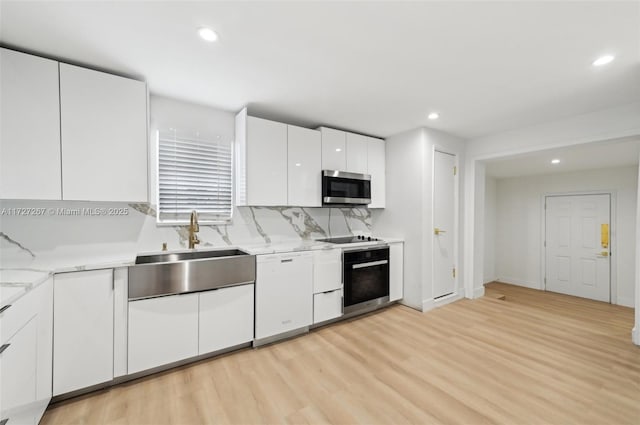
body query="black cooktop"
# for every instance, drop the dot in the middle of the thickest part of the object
(350, 239)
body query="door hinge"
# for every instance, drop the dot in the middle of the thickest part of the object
(454, 272)
(455, 170)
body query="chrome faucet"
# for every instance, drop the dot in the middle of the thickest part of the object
(193, 229)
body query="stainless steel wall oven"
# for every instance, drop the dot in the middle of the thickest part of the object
(365, 277)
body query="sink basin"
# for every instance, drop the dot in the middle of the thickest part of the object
(171, 257)
(174, 273)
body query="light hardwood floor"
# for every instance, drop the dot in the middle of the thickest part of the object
(533, 358)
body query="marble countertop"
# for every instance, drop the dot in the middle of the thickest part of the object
(16, 282)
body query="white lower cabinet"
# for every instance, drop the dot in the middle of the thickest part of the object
(396, 270)
(83, 330)
(225, 318)
(327, 284)
(327, 270)
(25, 356)
(18, 388)
(327, 305)
(284, 293)
(162, 330)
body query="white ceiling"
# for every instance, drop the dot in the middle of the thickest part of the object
(609, 154)
(372, 67)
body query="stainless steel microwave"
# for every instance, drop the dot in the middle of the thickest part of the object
(343, 188)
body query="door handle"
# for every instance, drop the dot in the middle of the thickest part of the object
(604, 254)
(437, 231)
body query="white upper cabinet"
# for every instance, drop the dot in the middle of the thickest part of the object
(333, 149)
(376, 168)
(261, 174)
(357, 153)
(280, 165)
(304, 166)
(104, 136)
(30, 130)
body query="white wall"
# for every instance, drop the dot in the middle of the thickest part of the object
(521, 219)
(409, 206)
(490, 211)
(405, 166)
(166, 113)
(586, 128)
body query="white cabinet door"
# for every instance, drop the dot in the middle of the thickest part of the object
(162, 330)
(18, 360)
(333, 149)
(283, 293)
(357, 153)
(83, 330)
(327, 305)
(30, 129)
(376, 168)
(104, 136)
(327, 270)
(304, 166)
(396, 270)
(266, 168)
(226, 318)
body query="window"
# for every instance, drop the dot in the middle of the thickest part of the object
(196, 175)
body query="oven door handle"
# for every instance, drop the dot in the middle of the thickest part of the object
(371, 264)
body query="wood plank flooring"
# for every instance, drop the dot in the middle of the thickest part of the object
(533, 358)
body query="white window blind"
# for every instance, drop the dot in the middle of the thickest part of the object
(194, 175)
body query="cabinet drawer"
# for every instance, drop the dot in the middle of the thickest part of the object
(225, 318)
(13, 318)
(162, 331)
(327, 305)
(327, 270)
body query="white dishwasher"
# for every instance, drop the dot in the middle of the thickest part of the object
(284, 294)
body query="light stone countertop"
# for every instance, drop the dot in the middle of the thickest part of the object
(16, 282)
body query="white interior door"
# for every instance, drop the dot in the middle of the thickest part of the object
(578, 245)
(444, 281)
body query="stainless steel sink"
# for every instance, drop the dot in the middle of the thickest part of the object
(191, 271)
(172, 257)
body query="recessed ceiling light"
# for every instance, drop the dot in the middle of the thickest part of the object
(207, 34)
(603, 60)
(555, 161)
(298, 164)
(338, 150)
(433, 116)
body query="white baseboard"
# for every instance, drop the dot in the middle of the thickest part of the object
(427, 305)
(520, 282)
(626, 301)
(478, 292)
(489, 280)
(635, 335)
(410, 305)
